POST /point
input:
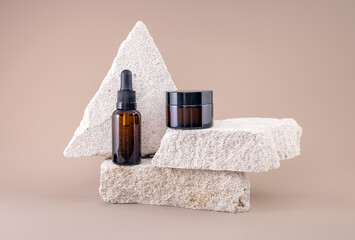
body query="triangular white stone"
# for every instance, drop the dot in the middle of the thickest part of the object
(151, 80)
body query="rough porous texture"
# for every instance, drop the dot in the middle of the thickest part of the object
(151, 80)
(240, 144)
(198, 189)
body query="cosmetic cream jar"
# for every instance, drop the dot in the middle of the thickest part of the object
(189, 109)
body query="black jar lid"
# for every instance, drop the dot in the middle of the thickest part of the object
(180, 98)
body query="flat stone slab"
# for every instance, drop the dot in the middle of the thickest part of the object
(151, 80)
(240, 144)
(197, 189)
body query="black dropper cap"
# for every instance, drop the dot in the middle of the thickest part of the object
(126, 97)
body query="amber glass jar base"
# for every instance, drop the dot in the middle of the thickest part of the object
(192, 127)
(127, 163)
(189, 117)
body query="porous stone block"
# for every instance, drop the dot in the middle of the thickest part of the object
(240, 144)
(151, 80)
(197, 189)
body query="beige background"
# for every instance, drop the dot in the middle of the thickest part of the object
(261, 58)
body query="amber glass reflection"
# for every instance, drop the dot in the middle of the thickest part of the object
(126, 137)
(189, 117)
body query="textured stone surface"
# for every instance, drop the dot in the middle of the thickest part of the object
(198, 189)
(150, 81)
(240, 144)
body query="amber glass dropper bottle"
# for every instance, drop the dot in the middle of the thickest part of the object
(126, 125)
